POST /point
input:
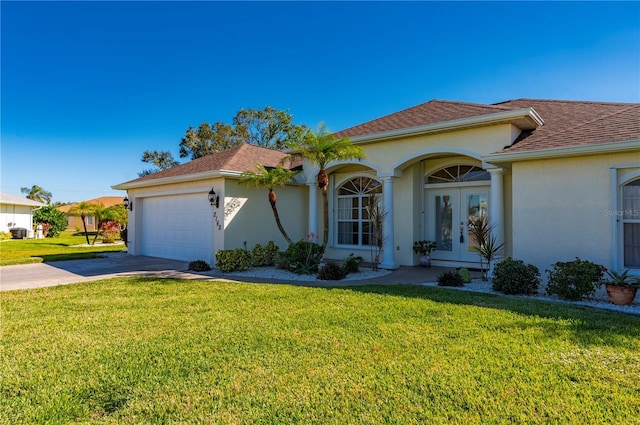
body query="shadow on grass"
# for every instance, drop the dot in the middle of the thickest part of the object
(588, 326)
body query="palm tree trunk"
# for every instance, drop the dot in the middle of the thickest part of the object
(325, 217)
(277, 217)
(84, 224)
(98, 226)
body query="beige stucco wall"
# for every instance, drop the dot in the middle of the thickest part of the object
(254, 221)
(559, 208)
(471, 142)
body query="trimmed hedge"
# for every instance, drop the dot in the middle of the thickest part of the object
(232, 260)
(515, 277)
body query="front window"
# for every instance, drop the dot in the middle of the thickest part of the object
(631, 223)
(355, 196)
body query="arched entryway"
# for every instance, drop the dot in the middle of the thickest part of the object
(454, 196)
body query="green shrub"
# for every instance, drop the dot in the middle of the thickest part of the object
(232, 260)
(352, 263)
(199, 266)
(574, 280)
(265, 256)
(450, 279)
(301, 257)
(332, 271)
(515, 277)
(5, 235)
(56, 219)
(465, 275)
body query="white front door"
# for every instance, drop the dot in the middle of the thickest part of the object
(449, 212)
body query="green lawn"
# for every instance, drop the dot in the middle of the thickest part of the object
(65, 247)
(143, 350)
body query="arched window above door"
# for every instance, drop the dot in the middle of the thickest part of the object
(458, 174)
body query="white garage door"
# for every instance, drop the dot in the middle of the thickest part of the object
(178, 227)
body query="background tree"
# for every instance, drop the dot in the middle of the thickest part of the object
(116, 214)
(320, 148)
(36, 193)
(268, 127)
(160, 159)
(207, 139)
(56, 219)
(82, 209)
(269, 178)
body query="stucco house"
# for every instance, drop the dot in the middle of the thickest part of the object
(74, 221)
(17, 212)
(557, 179)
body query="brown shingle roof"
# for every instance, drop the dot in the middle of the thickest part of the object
(566, 123)
(106, 201)
(240, 158)
(577, 123)
(430, 112)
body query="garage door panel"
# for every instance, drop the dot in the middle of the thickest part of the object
(177, 227)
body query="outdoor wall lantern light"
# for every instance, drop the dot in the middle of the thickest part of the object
(213, 198)
(127, 204)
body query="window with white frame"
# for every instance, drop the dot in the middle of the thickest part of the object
(354, 197)
(631, 224)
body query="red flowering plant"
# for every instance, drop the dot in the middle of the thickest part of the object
(576, 279)
(110, 230)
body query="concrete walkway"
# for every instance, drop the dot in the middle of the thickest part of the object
(119, 264)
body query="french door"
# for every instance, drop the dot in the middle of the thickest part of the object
(449, 212)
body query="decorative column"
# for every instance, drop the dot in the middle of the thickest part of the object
(313, 208)
(388, 238)
(496, 204)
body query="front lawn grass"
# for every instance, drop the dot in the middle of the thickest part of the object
(144, 350)
(66, 247)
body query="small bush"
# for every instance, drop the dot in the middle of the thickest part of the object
(574, 280)
(52, 219)
(232, 260)
(450, 279)
(332, 271)
(199, 266)
(514, 277)
(352, 263)
(265, 256)
(301, 257)
(5, 235)
(465, 275)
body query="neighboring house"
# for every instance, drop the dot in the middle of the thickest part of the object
(557, 179)
(74, 221)
(17, 212)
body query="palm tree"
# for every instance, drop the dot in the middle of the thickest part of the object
(83, 209)
(270, 178)
(320, 148)
(36, 193)
(101, 214)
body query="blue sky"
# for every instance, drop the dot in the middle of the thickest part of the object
(86, 87)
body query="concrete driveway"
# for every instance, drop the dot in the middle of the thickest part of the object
(26, 276)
